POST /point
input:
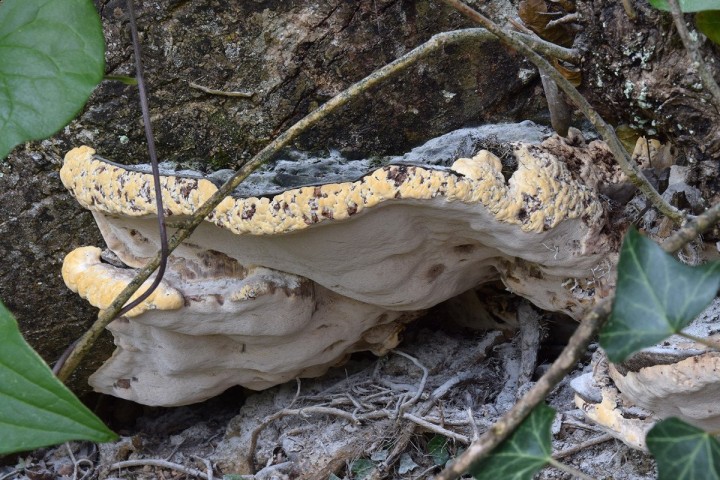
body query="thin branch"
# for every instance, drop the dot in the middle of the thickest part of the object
(159, 463)
(421, 385)
(582, 446)
(690, 231)
(691, 46)
(222, 93)
(436, 428)
(208, 466)
(548, 48)
(437, 42)
(628, 166)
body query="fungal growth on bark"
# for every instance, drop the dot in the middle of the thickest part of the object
(314, 259)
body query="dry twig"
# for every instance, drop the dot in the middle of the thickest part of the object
(208, 467)
(222, 93)
(159, 463)
(421, 385)
(436, 428)
(582, 446)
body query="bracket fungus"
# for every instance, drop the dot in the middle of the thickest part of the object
(286, 283)
(676, 378)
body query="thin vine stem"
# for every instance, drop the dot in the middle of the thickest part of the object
(164, 251)
(702, 341)
(437, 42)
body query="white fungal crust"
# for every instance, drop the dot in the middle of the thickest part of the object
(540, 195)
(100, 283)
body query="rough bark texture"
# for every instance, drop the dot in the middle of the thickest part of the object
(294, 55)
(636, 72)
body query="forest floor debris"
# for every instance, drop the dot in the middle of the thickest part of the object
(395, 417)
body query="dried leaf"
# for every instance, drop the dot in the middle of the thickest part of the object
(571, 72)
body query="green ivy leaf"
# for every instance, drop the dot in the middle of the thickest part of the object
(683, 452)
(52, 55)
(708, 23)
(437, 448)
(687, 5)
(656, 297)
(361, 468)
(37, 410)
(525, 452)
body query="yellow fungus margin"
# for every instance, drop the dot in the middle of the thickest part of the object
(538, 196)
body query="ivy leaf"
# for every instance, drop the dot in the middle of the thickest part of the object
(683, 452)
(687, 5)
(361, 469)
(656, 297)
(525, 452)
(37, 410)
(437, 448)
(52, 54)
(708, 22)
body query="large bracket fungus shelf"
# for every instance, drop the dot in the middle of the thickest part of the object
(284, 284)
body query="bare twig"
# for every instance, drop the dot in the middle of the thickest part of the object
(548, 48)
(436, 428)
(628, 166)
(690, 231)
(208, 467)
(582, 446)
(569, 18)
(421, 385)
(159, 463)
(706, 76)
(436, 43)
(223, 93)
